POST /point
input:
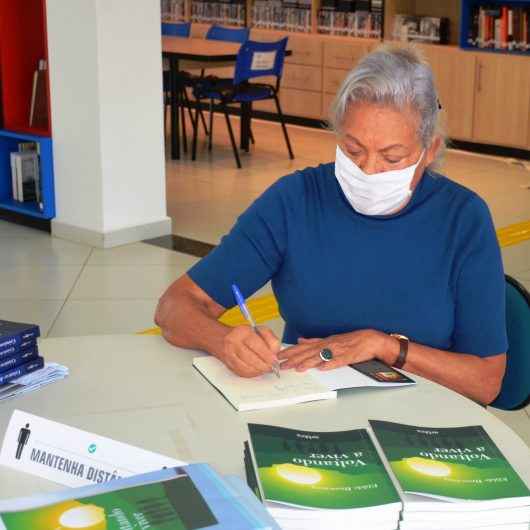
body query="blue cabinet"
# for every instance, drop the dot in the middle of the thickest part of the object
(8, 143)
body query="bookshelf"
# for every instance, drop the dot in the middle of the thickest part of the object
(23, 43)
(487, 30)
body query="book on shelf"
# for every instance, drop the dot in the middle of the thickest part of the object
(354, 19)
(500, 27)
(38, 116)
(452, 478)
(282, 15)
(25, 176)
(315, 480)
(224, 12)
(173, 10)
(187, 497)
(294, 387)
(433, 30)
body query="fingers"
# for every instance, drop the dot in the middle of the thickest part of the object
(293, 351)
(270, 339)
(248, 353)
(303, 340)
(302, 356)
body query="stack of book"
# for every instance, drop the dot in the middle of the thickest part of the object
(25, 174)
(22, 368)
(19, 352)
(187, 497)
(173, 10)
(315, 480)
(282, 15)
(443, 479)
(354, 18)
(500, 27)
(230, 12)
(453, 478)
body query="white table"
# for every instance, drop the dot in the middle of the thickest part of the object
(142, 391)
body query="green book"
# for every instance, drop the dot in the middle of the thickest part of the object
(450, 464)
(174, 504)
(321, 470)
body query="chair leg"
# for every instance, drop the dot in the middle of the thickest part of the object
(203, 120)
(231, 133)
(210, 136)
(195, 125)
(284, 128)
(251, 136)
(184, 135)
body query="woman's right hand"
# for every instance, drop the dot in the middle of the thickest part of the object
(249, 354)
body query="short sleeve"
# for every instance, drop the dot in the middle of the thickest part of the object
(480, 319)
(251, 253)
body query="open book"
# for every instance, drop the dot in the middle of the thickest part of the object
(293, 387)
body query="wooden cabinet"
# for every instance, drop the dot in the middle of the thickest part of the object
(332, 80)
(302, 77)
(454, 73)
(345, 53)
(502, 100)
(302, 103)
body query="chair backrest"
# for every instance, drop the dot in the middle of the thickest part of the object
(227, 34)
(178, 29)
(259, 59)
(515, 391)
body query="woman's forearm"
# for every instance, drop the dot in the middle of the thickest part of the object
(475, 377)
(189, 320)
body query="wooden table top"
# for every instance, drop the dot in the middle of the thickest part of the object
(200, 49)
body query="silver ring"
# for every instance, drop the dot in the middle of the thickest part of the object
(326, 354)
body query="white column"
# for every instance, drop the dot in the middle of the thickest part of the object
(107, 120)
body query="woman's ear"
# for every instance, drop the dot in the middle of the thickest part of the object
(432, 150)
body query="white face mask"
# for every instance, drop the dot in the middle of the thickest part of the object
(377, 194)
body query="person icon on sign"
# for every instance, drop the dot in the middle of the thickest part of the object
(23, 437)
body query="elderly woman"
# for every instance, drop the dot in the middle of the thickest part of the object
(373, 256)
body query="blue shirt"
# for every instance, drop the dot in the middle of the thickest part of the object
(432, 271)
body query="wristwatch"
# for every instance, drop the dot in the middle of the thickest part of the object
(403, 349)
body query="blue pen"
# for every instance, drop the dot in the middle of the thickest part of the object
(248, 317)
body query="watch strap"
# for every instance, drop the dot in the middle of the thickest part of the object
(403, 350)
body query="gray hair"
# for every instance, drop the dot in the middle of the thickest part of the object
(397, 76)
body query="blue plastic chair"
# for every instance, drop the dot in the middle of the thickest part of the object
(176, 29)
(515, 390)
(179, 29)
(228, 34)
(254, 59)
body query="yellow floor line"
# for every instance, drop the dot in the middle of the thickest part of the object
(265, 308)
(513, 234)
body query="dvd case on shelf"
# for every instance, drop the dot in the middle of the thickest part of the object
(173, 10)
(225, 12)
(282, 15)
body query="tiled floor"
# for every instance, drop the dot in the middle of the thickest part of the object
(72, 289)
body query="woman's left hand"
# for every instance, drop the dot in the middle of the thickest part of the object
(347, 348)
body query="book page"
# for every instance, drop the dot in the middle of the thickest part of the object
(263, 391)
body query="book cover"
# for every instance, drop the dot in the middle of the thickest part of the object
(21, 370)
(182, 498)
(14, 333)
(10, 350)
(172, 504)
(20, 358)
(448, 463)
(320, 470)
